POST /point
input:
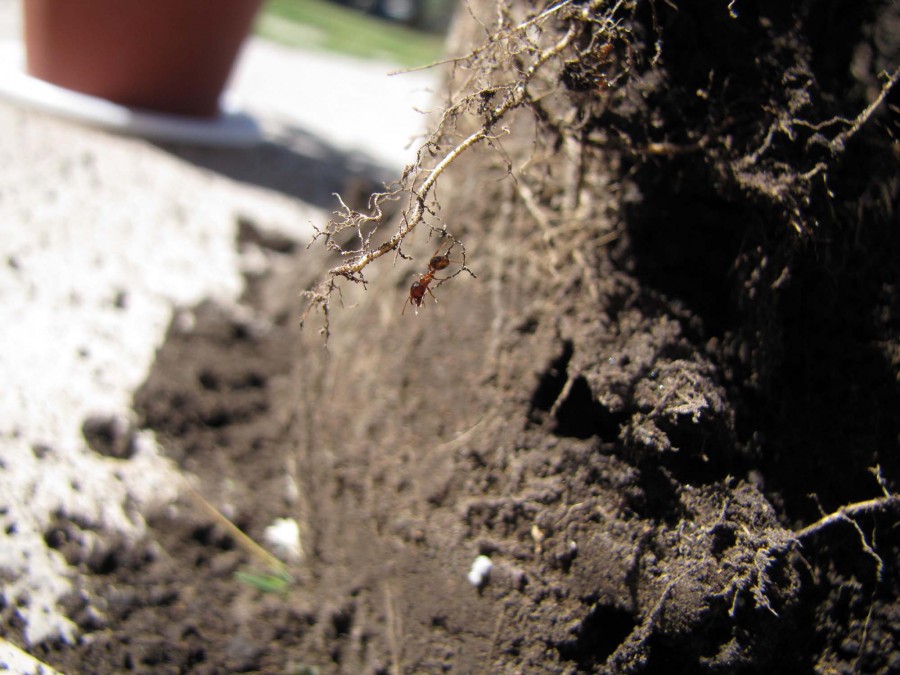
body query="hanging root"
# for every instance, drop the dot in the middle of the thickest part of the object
(483, 103)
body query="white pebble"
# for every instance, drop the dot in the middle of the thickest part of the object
(283, 535)
(481, 569)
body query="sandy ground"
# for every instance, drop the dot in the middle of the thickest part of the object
(104, 237)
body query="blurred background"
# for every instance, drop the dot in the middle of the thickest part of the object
(409, 32)
(106, 235)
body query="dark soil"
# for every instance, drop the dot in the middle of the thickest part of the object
(634, 427)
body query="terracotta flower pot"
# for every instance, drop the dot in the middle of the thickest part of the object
(172, 56)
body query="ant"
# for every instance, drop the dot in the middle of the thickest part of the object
(420, 287)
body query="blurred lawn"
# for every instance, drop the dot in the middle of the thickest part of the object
(317, 24)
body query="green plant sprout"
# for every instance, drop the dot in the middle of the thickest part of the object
(273, 582)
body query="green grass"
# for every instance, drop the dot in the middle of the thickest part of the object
(321, 25)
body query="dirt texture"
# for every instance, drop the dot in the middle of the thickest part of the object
(680, 352)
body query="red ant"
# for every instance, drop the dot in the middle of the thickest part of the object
(420, 287)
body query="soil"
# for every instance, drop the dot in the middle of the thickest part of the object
(635, 422)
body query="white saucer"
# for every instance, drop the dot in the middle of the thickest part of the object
(232, 128)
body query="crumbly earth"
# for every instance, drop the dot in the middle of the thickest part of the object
(635, 422)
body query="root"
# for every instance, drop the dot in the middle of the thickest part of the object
(758, 553)
(633, 650)
(483, 97)
(847, 514)
(395, 630)
(839, 142)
